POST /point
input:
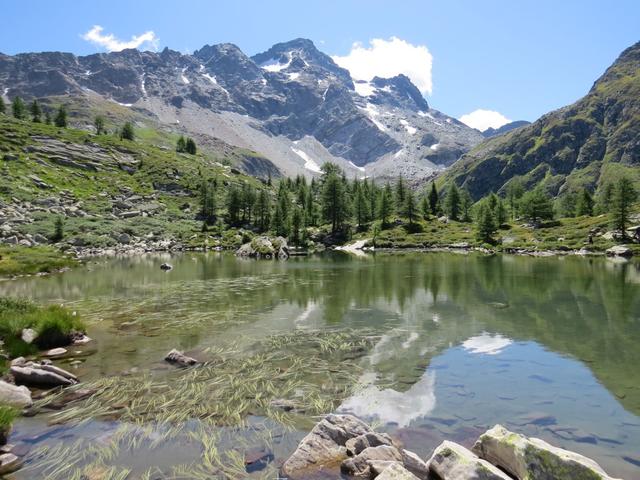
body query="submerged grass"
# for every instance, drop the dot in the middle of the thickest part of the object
(313, 371)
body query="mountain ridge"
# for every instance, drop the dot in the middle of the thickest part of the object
(292, 104)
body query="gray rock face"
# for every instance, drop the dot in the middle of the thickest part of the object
(265, 247)
(324, 447)
(12, 395)
(534, 459)
(451, 461)
(288, 93)
(372, 439)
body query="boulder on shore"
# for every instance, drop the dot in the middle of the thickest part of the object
(451, 461)
(619, 251)
(14, 396)
(396, 471)
(179, 358)
(324, 447)
(265, 247)
(531, 458)
(360, 465)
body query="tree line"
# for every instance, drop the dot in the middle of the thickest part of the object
(343, 206)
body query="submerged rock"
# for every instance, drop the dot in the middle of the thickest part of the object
(55, 352)
(15, 396)
(179, 358)
(324, 447)
(451, 461)
(532, 458)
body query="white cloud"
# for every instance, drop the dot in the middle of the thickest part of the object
(388, 58)
(112, 44)
(483, 119)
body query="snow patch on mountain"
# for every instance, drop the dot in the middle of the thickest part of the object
(183, 77)
(309, 164)
(274, 65)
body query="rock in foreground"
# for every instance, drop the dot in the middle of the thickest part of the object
(324, 447)
(534, 459)
(451, 461)
(14, 396)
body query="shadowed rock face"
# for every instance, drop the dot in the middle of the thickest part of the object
(290, 92)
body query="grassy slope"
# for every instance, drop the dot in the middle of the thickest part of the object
(588, 144)
(158, 165)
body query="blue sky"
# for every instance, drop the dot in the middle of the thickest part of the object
(519, 58)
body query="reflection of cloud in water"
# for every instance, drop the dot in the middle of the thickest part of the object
(304, 316)
(486, 344)
(390, 406)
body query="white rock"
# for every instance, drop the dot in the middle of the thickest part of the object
(619, 251)
(28, 335)
(9, 463)
(55, 352)
(532, 458)
(14, 396)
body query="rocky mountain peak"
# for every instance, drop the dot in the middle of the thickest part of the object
(398, 92)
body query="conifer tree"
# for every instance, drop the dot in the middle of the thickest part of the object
(3, 107)
(400, 194)
(584, 205)
(452, 203)
(18, 108)
(47, 117)
(99, 124)
(262, 210)
(361, 207)
(190, 146)
(425, 208)
(60, 120)
(624, 194)
(334, 200)
(434, 199)
(297, 223)
(385, 205)
(234, 205)
(535, 206)
(409, 207)
(515, 190)
(127, 132)
(485, 223)
(36, 112)
(466, 203)
(181, 145)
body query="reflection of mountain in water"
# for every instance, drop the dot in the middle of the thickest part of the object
(424, 304)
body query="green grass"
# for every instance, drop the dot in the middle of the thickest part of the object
(53, 323)
(19, 260)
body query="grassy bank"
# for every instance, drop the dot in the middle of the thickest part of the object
(17, 260)
(562, 234)
(52, 324)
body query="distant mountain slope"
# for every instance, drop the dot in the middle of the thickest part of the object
(292, 104)
(585, 144)
(492, 132)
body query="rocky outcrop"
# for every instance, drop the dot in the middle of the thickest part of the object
(180, 359)
(451, 461)
(14, 396)
(266, 248)
(395, 471)
(534, 459)
(324, 447)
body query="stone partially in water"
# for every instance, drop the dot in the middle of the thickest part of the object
(324, 447)
(9, 463)
(32, 375)
(55, 352)
(179, 358)
(451, 461)
(532, 458)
